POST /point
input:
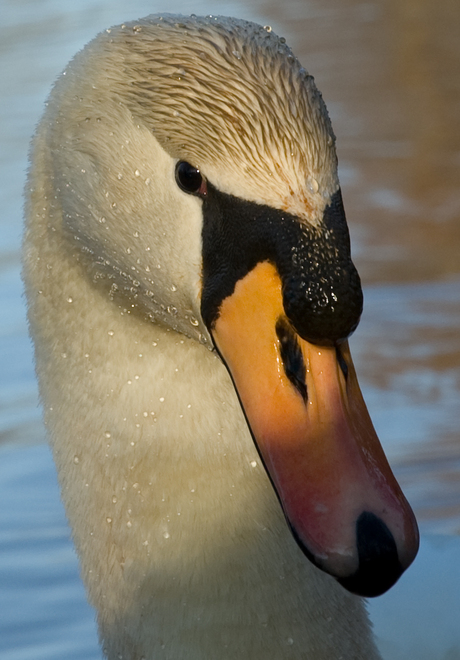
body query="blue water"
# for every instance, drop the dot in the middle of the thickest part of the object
(404, 350)
(44, 614)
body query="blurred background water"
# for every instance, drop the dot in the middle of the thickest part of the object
(389, 71)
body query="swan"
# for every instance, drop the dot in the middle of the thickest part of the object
(190, 294)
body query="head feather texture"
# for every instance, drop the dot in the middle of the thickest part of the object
(230, 97)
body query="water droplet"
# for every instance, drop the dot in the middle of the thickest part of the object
(114, 500)
(166, 535)
(137, 173)
(129, 524)
(161, 399)
(109, 520)
(237, 54)
(107, 434)
(76, 460)
(290, 641)
(194, 321)
(111, 333)
(268, 28)
(312, 185)
(253, 464)
(69, 299)
(178, 74)
(176, 113)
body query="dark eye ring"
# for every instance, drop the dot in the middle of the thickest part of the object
(189, 179)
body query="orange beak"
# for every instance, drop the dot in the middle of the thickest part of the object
(314, 434)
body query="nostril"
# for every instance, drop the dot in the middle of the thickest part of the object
(379, 565)
(341, 360)
(292, 358)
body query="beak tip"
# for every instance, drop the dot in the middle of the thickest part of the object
(380, 566)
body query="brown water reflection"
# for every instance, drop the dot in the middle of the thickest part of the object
(390, 74)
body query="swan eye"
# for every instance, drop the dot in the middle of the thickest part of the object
(189, 179)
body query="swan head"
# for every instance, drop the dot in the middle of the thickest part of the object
(217, 211)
